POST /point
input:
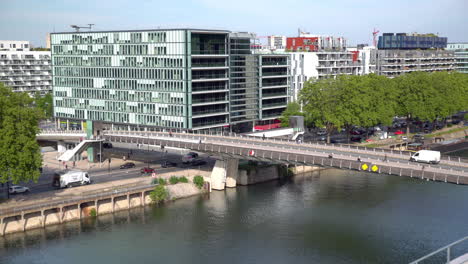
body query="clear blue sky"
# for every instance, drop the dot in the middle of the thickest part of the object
(354, 19)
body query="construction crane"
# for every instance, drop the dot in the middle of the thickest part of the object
(374, 33)
(77, 28)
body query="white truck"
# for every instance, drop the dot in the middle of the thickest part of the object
(427, 156)
(71, 178)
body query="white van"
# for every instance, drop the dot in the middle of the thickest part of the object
(71, 178)
(427, 156)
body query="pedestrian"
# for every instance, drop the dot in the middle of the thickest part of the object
(124, 158)
(359, 159)
(66, 166)
(73, 164)
(170, 133)
(385, 158)
(330, 156)
(263, 137)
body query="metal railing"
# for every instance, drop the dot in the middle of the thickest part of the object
(99, 195)
(447, 249)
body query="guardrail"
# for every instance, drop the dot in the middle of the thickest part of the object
(447, 249)
(118, 191)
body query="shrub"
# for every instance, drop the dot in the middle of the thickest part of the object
(198, 181)
(449, 125)
(173, 180)
(183, 179)
(93, 212)
(162, 181)
(159, 194)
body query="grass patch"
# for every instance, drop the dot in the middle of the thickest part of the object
(159, 194)
(174, 180)
(446, 132)
(183, 179)
(374, 145)
(198, 181)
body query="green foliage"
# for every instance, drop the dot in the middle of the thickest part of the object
(293, 109)
(370, 100)
(159, 194)
(183, 179)
(20, 156)
(40, 49)
(45, 104)
(92, 212)
(173, 180)
(198, 181)
(465, 117)
(162, 181)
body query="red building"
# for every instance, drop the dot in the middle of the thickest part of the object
(302, 44)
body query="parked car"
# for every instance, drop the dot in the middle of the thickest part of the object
(127, 165)
(404, 138)
(147, 170)
(399, 132)
(321, 132)
(197, 162)
(189, 157)
(18, 189)
(356, 139)
(418, 137)
(107, 145)
(168, 164)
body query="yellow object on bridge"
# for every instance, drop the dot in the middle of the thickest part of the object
(375, 168)
(365, 166)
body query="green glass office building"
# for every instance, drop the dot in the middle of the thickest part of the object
(143, 79)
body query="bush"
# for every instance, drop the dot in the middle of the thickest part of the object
(173, 180)
(162, 181)
(183, 179)
(449, 125)
(198, 181)
(159, 194)
(93, 212)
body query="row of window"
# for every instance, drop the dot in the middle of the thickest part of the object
(145, 108)
(131, 96)
(118, 37)
(134, 61)
(165, 74)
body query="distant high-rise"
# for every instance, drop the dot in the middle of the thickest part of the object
(411, 41)
(461, 55)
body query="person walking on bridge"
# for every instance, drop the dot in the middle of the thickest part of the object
(263, 137)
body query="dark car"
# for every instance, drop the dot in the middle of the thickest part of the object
(107, 145)
(147, 170)
(168, 164)
(356, 139)
(197, 162)
(127, 165)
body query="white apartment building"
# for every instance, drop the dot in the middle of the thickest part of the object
(276, 42)
(322, 64)
(14, 45)
(25, 70)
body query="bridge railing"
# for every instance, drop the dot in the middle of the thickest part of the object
(447, 249)
(19, 209)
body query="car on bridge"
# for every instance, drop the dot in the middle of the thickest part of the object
(147, 170)
(187, 158)
(168, 164)
(127, 165)
(18, 189)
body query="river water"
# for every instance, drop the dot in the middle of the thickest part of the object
(328, 217)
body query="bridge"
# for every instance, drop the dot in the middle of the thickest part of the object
(232, 147)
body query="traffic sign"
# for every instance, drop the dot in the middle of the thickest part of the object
(251, 152)
(364, 166)
(153, 175)
(375, 168)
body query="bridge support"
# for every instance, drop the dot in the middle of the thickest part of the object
(61, 146)
(224, 174)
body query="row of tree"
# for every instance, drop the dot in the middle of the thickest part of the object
(369, 100)
(20, 157)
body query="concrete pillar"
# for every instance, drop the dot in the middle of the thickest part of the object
(80, 212)
(231, 172)
(96, 206)
(23, 222)
(142, 198)
(2, 226)
(61, 146)
(60, 213)
(43, 218)
(224, 173)
(113, 204)
(58, 123)
(82, 126)
(68, 124)
(128, 201)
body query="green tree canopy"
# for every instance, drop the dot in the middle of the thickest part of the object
(45, 104)
(293, 109)
(20, 157)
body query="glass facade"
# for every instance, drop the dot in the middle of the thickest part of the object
(182, 78)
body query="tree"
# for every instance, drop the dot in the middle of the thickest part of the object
(417, 97)
(293, 109)
(45, 104)
(20, 157)
(323, 105)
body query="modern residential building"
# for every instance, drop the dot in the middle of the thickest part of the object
(14, 45)
(24, 70)
(276, 42)
(309, 42)
(461, 55)
(186, 79)
(401, 53)
(323, 64)
(403, 41)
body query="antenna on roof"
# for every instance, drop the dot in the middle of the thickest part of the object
(77, 28)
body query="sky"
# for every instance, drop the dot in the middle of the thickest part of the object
(353, 19)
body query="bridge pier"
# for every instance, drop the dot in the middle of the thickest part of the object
(224, 174)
